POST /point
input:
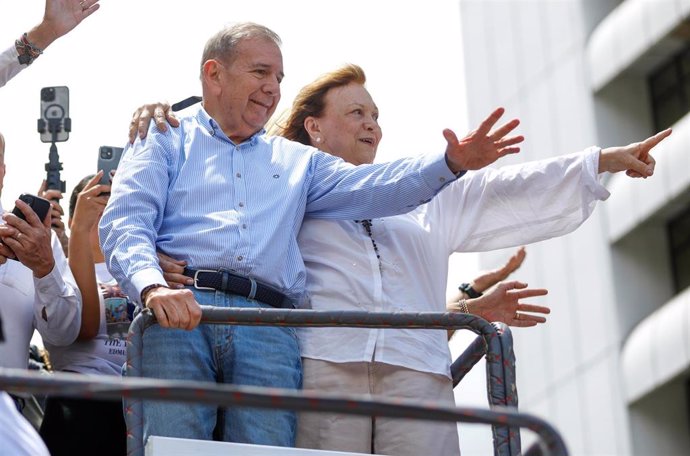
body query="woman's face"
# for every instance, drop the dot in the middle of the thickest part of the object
(349, 126)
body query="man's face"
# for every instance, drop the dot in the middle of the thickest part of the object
(249, 88)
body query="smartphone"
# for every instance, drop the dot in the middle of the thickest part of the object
(54, 124)
(41, 206)
(108, 159)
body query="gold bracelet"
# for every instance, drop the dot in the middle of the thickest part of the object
(463, 306)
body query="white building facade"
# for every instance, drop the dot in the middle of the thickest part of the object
(611, 368)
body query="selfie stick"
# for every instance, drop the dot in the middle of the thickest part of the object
(54, 166)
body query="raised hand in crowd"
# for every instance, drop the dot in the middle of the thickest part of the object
(488, 279)
(469, 297)
(59, 18)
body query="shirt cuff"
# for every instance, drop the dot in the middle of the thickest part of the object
(143, 279)
(592, 176)
(52, 284)
(436, 173)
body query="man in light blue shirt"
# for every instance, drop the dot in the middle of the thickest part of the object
(219, 194)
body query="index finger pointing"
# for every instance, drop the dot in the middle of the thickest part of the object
(656, 139)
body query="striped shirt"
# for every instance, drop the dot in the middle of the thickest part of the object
(193, 194)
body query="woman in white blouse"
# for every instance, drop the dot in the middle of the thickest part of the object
(401, 263)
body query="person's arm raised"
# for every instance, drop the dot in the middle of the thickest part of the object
(90, 204)
(60, 17)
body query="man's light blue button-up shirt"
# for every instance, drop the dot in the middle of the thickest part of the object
(193, 194)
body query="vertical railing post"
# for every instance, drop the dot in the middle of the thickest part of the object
(133, 409)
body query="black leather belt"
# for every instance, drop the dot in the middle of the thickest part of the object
(229, 282)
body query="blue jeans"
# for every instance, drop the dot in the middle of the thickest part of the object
(242, 355)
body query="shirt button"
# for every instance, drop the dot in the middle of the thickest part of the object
(240, 258)
(241, 204)
(244, 226)
(238, 175)
(442, 179)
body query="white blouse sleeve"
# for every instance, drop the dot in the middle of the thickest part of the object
(57, 302)
(9, 65)
(503, 207)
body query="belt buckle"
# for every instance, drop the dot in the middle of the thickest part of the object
(196, 279)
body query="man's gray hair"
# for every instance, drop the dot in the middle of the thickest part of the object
(222, 45)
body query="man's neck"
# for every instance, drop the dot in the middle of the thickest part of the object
(229, 130)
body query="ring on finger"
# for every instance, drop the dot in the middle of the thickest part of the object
(517, 316)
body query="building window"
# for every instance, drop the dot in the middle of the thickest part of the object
(679, 240)
(669, 87)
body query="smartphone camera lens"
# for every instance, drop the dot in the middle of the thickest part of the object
(47, 94)
(106, 153)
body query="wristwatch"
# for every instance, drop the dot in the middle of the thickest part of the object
(146, 291)
(469, 291)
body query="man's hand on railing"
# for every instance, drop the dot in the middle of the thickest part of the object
(173, 308)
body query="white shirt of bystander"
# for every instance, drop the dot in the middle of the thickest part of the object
(23, 301)
(16, 434)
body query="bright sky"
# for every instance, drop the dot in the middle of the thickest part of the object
(135, 51)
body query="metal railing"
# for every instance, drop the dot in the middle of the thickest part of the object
(493, 341)
(110, 387)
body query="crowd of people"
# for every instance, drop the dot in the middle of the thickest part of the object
(212, 208)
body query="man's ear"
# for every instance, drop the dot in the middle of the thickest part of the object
(311, 125)
(211, 70)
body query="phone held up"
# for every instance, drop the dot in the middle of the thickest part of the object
(40, 206)
(54, 124)
(108, 159)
